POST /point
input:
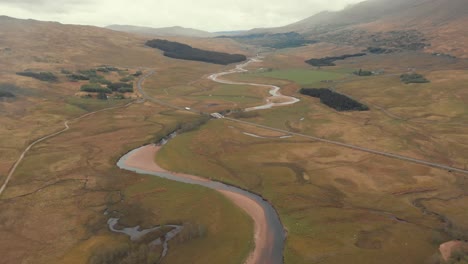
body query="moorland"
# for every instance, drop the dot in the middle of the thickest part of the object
(110, 93)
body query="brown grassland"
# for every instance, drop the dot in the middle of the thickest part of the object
(53, 208)
(341, 205)
(337, 205)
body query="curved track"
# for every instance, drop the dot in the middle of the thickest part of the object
(67, 127)
(276, 98)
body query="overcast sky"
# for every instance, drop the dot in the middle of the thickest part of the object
(210, 15)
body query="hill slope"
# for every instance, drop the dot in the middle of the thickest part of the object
(167, 31)
(432, 25)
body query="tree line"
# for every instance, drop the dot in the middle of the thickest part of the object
(334, 100)
(178, 50)
(42, 76)
(330, 61)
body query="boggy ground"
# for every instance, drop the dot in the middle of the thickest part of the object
(341, 205)
(53, 209)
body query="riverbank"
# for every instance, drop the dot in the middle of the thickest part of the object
(276, 98)
(268, 231)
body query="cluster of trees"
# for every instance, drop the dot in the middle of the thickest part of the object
(138, 73)
(185, 52)
(363, 73)
(106, 69)
(43, 76)
(121, 87)
(112, 87)
(329, 61)
(413, 78)
(89, 73)
(77, 77)
(277, 41)
(99, 79)
(127, 79)
(95, 88)
(334, 100)
(180, 127)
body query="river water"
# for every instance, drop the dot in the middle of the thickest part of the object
(273, 252)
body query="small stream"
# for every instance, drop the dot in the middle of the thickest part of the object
(273, 253)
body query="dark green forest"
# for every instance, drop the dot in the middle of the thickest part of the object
(42, 76)
(334, 100)
(330, 61)
(178, 50)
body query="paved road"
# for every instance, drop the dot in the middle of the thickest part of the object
(336, 143)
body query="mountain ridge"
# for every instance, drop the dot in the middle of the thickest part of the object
(439, 26)
(175, 31)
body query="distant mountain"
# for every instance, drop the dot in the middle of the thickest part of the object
(163, 32)
(230, 33)
(430, 25)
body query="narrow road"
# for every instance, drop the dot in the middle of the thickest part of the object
(150, 98)
(276, 98)
(67, 127)
(336, 143)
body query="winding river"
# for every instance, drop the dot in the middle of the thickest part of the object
(269, 233)
(276, 98)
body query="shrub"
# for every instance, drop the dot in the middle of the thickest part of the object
(413, 78)
(107, 69)
(77, 77)
(117, 86)
(363, 73)
(94, 88)
(99, 79)
(127, 79)
(138, 73)
(125, 90)
(42, 76)
(102, 96)
(89, 73)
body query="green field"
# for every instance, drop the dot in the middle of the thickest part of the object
(302, 76)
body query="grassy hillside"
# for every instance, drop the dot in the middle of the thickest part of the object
(53, 208)
(431, 25)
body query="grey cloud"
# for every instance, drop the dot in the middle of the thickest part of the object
(209, 15)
